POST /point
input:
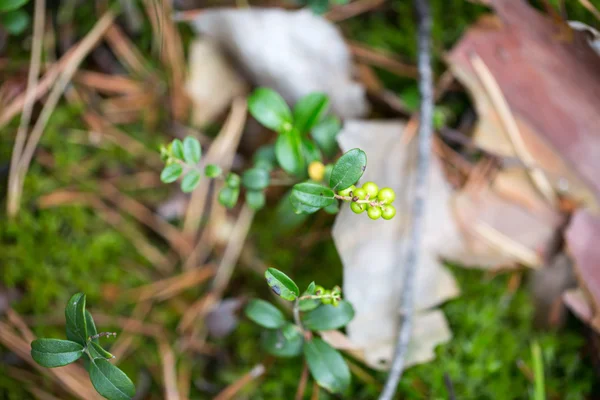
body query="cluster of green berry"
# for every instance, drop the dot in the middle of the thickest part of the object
(333, 296)
(377, 203)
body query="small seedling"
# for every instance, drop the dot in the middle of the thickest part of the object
(316, 310)
(83, 341)
(304, 135)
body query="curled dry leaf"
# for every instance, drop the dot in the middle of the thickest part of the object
(284, 50)
(372, 251)
(548, 75)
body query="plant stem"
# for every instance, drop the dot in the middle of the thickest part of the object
(297, 314)
(365, 201)
(418, 213)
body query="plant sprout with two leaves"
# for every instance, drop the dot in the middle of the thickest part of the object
(303, 135)
(315, 310)
(83, 341)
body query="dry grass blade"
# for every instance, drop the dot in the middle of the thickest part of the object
(82, 50)
(591, 8)
(221, 152)
(32, 81)
(379, 59)
(302, 384)
(166, 288)
(168, 370)
(507, 119)
(507, 245)
(341, 13)
(126, 336)
(230, 391)
(126, 51)
(109, 84)
(184, 378)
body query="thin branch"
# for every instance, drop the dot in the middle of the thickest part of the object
(418, 213)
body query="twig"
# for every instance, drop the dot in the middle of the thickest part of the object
(230, 391)
(302, 384)
(32, 81)
(422, 173)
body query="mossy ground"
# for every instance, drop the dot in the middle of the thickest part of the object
(51, 253)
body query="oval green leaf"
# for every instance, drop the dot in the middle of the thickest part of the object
(264, 314)
(328, 317)
(171, 173)
(256, 178)
(327, 366)
(286, 342)
(309, 110)
(91, 326)
(190, 181)
(98, 351)
(191, 150)
(287, 216)
(325, 134)
(51, 353)
(269, 108)
(348, 169)
(255, 199)
(300, 208)
(9, 5)
(312, 195)
(311, 151)
(15, 22)
(177, 149)
(229, 196)
(309, 304)
(212, 170)
(265, 158)
(233, 180)
(76, 323)
(110, 381)
(281, 284)
(290, 153)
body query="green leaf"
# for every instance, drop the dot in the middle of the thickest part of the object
(171, 173)
(52, 353)
(229, 196)
(212, 171)
(265, 158)
(264, 314)
(15, 22)
(9, 5)
(300, 208)
(310, 150)
(286, 216)
(281, 284)
(99, 352)
(290, 153)
(309, 110)
(286, 342)
(190, 181)
(327, 366)
(233, 180)
(91, 326)
(333, 208)
(328, 317)
(255, 199)
(110, 381)
(325, 134)
(75, 319)
(177, 149)
(312, 195)
(256, 179)
(348, 169)
(309, 304)
(269, 108)
(191, 150)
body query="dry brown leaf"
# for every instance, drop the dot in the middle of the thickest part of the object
(372, 251)
(552, 87)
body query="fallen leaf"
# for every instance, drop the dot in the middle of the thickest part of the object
(373, 251)
(284, 50)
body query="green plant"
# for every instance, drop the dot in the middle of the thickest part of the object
(317, 309)
(297, 153)
(12, 16)
(83, 340)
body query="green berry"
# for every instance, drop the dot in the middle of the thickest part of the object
(346, 192)
(326, 300)
(388, 212)
(360, 193)
(386, 196)
(372, 189)
(357, 208)
(374, 212)
(335, 302)
(319, 290)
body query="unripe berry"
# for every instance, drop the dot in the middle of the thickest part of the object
(360, 193)
(316, 171)
(372, 189)
(374, 212)
(386, 196)
(346, 192)
(326, 300)
(319, 290)
(388, 212)
(357, 208)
